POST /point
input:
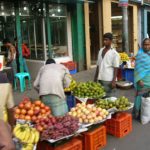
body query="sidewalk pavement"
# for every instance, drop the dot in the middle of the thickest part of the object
(138, 139)
(83, 76)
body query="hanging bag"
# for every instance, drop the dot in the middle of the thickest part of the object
(145, 110)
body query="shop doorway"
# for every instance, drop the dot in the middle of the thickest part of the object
(94, 32)
(116, 20)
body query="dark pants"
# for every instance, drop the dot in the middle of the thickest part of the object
(108, 87)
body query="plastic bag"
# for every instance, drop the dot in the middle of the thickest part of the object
(145, 110)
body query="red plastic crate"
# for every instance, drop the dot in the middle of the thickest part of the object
(119, 74)
(120, 125)
(74, 144)
(70, 65)
(95, 139)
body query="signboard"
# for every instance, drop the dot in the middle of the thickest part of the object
(123, 3)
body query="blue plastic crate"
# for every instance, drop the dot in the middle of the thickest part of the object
(70, 101)
(123, 74)
(73, 71)
(129, 75)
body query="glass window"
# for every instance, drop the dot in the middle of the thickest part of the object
(7, 21)
(32, 18)
(58, 20)
(32, 29)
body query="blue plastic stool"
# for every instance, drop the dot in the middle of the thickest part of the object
(21, 76)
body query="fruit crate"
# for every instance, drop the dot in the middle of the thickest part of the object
(73, 71)
(119, 125)
(95, 139)
(129, 75)
(73, 144)
(70, 65)
(119, 74)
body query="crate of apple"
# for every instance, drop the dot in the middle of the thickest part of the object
(88, 114)
(31, 111)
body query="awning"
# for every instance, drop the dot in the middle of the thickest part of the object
(142, 2)
(70, 1)
(54, 1)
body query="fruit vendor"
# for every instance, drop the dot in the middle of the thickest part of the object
(6, 142)
(11, 58)
(142, 75)
(50, 83)
(107, 65)
(6, 99)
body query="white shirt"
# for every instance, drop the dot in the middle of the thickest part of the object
(50, 80)
(107, 64)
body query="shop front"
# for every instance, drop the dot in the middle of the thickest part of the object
(49, 28)
(106, 16)
(114, 24)
(145, 19)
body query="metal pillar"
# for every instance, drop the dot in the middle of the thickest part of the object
(48, 25)
(80, 37)
(125, 34)
(19, 38)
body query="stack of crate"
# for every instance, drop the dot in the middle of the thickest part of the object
(72, 66)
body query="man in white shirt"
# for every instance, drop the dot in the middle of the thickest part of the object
(107, 65)
(50, 82)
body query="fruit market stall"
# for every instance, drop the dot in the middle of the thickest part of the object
(85, 124)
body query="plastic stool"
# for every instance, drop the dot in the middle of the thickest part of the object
(21, 76)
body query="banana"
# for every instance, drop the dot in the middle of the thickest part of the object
(16, 128)
(37, 135)
(32, 137)
(30, 147)
(27, 147)
(27, 136)
(23, 135)
(18, 134)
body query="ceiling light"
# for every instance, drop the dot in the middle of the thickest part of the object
(3, 13)
(59, 10)
(116, 17)
(20, 14)
(13, 13)
(53, 15)
(24, 8)
(2, 7)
